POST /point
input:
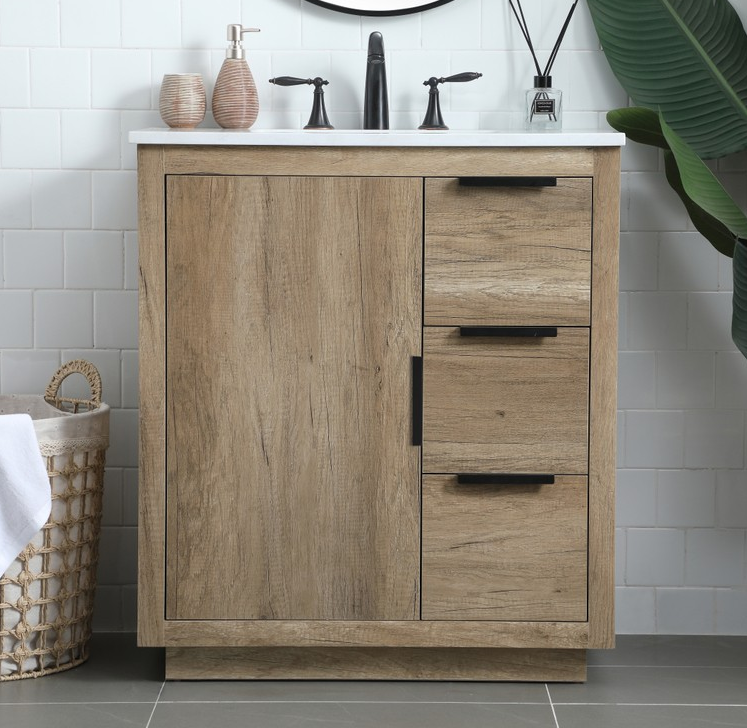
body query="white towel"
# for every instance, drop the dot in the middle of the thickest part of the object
(25, 495)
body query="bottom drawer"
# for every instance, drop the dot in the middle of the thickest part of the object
(505, 552)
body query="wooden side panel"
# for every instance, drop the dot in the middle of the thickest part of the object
(375, 664)
(505, 404)
(152, 505)
(504, 552)
(293, 312)
(507, 255)
(603, 403)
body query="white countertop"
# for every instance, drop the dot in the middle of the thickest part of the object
(375, 138)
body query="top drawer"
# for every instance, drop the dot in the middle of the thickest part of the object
(507, 254)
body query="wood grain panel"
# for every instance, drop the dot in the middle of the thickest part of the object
(343, 633)
(379, 161)
(509, 552)
(508, 255)
(152, 322)
(505, 404)
(293, 312)
(375, 664)
(603, 402)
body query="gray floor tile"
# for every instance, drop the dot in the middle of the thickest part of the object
(351, 715)
(646, 685)
(117, 671)
(668, 716)
(100, 715)
(673, 650)
(342, 691)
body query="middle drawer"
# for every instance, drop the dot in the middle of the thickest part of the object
(505, 404)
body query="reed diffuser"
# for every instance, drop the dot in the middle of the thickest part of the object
(544, 104)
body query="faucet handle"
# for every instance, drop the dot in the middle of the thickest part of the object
(318, 118)
(433, 118)
(462, 77)
(457, 78)
(295, 81)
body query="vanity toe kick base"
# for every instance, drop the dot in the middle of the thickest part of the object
(377, 663)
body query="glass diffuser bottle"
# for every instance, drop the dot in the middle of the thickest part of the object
(544, 106)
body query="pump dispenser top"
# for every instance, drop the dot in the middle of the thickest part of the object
(234, 34)
(235, 98)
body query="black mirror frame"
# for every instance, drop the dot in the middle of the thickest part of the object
(404, 11)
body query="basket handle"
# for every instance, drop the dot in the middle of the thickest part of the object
(77, 366)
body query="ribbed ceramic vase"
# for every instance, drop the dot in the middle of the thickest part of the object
(235, 99)
(182, 102)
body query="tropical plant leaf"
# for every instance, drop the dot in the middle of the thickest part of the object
(702, 186)
(739, 299)
(639, 125)
(708, 226)
(644, 126)
(686, 58)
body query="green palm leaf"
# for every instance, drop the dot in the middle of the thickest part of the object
(739, 300)
(711, 228)
(706, 191)
(639, 125)
(702, 186)
(687, 58)
(643, 126)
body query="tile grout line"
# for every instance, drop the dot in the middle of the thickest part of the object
(671, 667)
(349, 702)
(552, 707)
(78, 702)
(155, 705)
(663, 705)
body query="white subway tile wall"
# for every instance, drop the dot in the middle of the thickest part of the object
(77, 75)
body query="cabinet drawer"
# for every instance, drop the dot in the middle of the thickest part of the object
(513, 404)
(508, 254)
(508, 552)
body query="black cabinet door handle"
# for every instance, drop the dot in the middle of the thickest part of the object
(525, 331)
(417, 400)
(508, 181)
(505, 479)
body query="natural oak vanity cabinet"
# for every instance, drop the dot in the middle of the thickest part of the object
(377, 408)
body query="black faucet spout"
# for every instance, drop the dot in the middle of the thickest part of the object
(376, 99)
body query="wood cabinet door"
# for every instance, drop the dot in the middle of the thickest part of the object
(293, 311)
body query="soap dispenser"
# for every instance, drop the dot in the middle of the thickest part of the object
(235, 99)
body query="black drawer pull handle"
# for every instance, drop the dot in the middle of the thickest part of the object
(417, 400)
(525, 331)
(508, 181)
(505, 479)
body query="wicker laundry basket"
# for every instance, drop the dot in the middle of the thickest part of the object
(46, 594)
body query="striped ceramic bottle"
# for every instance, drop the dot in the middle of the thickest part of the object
(235, 99)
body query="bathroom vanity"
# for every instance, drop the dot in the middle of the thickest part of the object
(377, 402)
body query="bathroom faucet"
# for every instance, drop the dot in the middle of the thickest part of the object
(376, 101)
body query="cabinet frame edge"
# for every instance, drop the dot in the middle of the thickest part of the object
(152, 325)
(603, 397)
